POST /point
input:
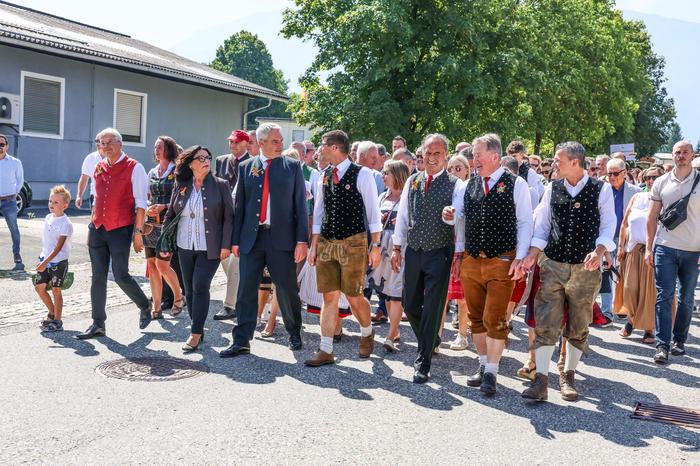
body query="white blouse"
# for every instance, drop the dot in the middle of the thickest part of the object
(190, 228)
(637, 221)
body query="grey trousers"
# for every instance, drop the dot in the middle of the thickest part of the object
(231, 269)
(564, 286)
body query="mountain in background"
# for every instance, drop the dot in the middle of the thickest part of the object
(672, 38)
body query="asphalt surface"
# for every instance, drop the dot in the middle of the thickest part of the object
(268, 408)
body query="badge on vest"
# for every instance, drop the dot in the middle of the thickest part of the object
(501, 187)
(577, 205)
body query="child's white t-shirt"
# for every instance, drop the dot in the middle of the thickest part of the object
(54, 228)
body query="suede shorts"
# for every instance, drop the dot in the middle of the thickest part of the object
(342, 264)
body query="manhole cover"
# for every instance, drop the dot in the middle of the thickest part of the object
(151, 369)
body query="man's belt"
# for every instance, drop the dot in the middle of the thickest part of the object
(507, 257)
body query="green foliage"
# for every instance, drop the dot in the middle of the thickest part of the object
(674, 135)
(542, 71)
(246, 56)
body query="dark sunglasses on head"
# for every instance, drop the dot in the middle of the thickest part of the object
(615, 173)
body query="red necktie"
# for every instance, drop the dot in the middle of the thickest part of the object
(427, 183)
(265, 194)
(486, 185)
(335, 175)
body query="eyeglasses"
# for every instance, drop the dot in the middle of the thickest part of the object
(104, 143)
(649, 178)
(455, 169)
(615, 173)
(202, 158)
(2, 144)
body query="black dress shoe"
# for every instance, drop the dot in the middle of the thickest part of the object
(420, 377)
(678, 349)
(91, 332)
(295, 343)
(225, 313)
(476, 379)
(488, 384)
(234, 350)
(145, 318)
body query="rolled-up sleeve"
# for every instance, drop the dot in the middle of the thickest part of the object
(370, 197)
(139, 186)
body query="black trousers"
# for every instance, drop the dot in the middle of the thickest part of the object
(168, 298)
(282, 270)
(197, 273)
(104, 245)
(426, 277)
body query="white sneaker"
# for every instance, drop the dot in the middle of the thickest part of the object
(389, 345)
(459, 343)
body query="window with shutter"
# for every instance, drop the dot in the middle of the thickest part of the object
(130, 115)
(42, 105)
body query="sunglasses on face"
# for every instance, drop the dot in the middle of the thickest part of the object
(454, 169)
(615, 173)
(2, 144)
(650, 178)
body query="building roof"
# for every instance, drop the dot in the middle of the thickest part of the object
(43, 32)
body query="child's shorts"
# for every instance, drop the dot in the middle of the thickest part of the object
(53, 275)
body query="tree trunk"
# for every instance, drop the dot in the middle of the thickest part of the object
(538, 142)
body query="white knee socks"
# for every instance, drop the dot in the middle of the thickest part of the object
(573, 356)
(543, 357)
(326, 344)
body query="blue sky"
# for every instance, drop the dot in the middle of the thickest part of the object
(196, 32)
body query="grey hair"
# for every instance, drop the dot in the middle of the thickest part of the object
(264, 130)
(602, 157)
(616, 163)
(364, 146)
(492, 141)
(382, 150)
(574, 151)
(440, 137)
(112, 132)
(510, 163)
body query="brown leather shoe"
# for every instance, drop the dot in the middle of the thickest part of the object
(567, 386)
(538, 390)
(321, 358)
(366, 345)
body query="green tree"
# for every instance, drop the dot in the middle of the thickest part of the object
(697, 147)
(245, 56)
(674, 136)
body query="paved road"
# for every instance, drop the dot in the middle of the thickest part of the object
(269, 408)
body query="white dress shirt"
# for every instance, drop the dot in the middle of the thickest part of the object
(534, 181)
(368, 190)
(11, 176)
(313, 180)
(88, 168)
(190, 231)
(523, 213)
(401, 227)
(139, 184)
(606, 207)
(263, 162)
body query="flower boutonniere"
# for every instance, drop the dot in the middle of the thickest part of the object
(256, 169)
(500, 187)
(326, 179)
(171, 177)
(416, 184)
(99, 169)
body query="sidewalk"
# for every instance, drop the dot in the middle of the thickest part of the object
(268, 408)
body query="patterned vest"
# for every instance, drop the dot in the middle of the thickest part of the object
(490, 222)
(426, 230)
(114, 197)
(344, 213)
(575, 222)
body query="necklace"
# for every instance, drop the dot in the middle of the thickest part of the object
(194, 198)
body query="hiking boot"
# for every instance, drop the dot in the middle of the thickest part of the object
(567, 386)
(538, 389)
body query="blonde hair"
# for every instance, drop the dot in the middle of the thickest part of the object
(61, 189)
(399, 170)
(291, 152)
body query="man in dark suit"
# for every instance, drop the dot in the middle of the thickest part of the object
(270, 229)
(227, 169)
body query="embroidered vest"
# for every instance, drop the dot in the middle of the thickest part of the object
(344, 213)
(114, 198)
(427, 231)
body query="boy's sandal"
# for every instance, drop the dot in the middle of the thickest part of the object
(178, 306)
(528, 370)
(53, 326)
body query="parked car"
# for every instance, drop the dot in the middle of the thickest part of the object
(24, 198)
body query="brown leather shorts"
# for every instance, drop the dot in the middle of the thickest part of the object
(342, 264)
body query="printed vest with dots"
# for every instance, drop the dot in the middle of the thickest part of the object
(490, 221)
(344, 213)
(426, 230)
(575, 222)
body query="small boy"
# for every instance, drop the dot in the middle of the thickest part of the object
(53, 262)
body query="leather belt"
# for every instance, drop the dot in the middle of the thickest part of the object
(483, 255)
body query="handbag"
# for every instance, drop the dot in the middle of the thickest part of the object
(167, 241)
(152, 231)
(677, 213)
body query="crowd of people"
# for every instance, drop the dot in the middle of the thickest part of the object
(326, 228)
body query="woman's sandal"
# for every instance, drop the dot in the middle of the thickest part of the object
(648, 338)
(178, 306)
(626, 331)
(528, 370)
(155, 315)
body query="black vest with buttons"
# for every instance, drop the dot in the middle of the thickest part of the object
(427, 231)
(344, 213)
(575, 222)
(490, 221)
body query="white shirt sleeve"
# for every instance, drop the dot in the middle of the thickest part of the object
(534, 181)
(318, 207)
(368, 189)
(313, 179)
(523, 215)
(66, 229)
(458, 222)
(608, 218)
(85, 168)
(19, 176)
(401, 226)
(542, 220)
(139, 186)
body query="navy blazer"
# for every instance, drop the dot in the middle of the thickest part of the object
(218, 211)
(288, 216)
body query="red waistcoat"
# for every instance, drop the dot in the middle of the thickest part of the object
(114, 197)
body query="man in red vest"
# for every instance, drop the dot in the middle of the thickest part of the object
(121, 186)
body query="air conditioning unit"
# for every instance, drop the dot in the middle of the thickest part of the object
(9, 109)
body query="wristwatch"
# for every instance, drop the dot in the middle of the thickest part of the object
(397, 248)
(138, 231)
(376, 245)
